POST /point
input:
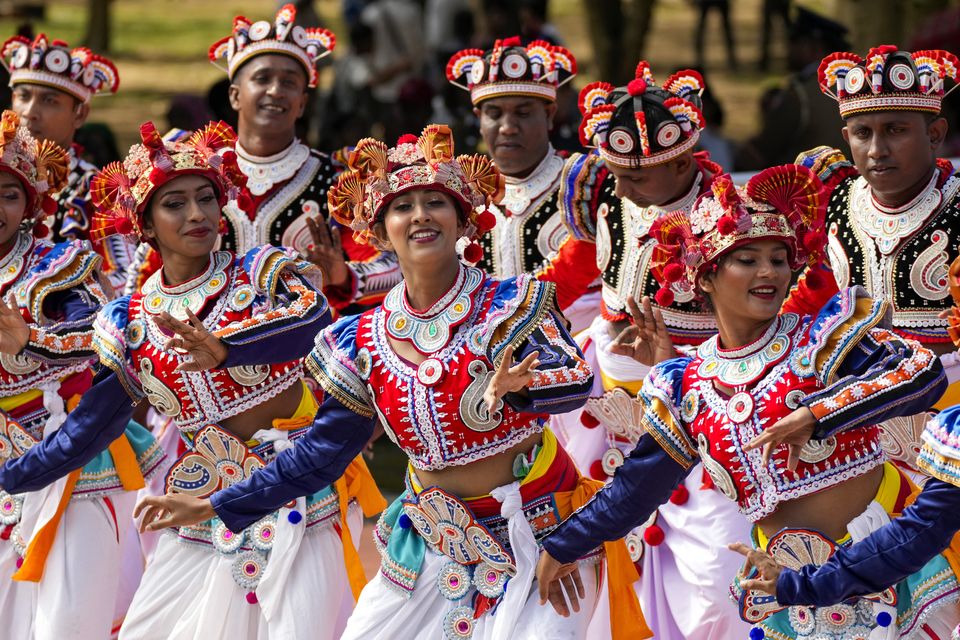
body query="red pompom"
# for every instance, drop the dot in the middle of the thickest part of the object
(588, 420)
(672, 272)
(48, 205)
(245, 203)
(40, 230)
(814, 279)
(664, 297)
(486, 221)
(680, 495)
(512, 41)
(473, 253)
(124, 226)
(726, 225)
(158, 176)
(636, 86)
(815, 241)
(653, 535)
(229, 156)
(597, 472)
(407, 138)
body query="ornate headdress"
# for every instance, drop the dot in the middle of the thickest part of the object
(40, 165)
(888, 79)
(784, 203)
(79, 72)
(120, 191)
(376, 175)
(306, 46)
(641, 124)
(510, 69)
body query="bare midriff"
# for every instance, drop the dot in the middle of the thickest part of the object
(245, 424)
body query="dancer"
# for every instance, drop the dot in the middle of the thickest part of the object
(289, 574)
(51, 296)
(611, 198)
(833, 375)
(52, 87)
(514, 93)
(435, 364)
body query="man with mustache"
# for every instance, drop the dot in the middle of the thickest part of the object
(52, 85)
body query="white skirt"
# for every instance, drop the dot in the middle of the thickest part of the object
(188, 593)
(77, 595)
(384, 613)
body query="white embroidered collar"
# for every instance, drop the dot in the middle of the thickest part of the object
(745, 365)
(11, 265)
(887, 226)
(642, 218)
(192, 294)
(520, 192)
(263, 172)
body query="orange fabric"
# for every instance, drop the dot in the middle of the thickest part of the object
(125, 462)
(291, 424)
(626, 620)
(356, 482)
(36, 557)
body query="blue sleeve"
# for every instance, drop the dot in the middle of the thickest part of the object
(100, 418)
(317, 460)
(644, 482)
(292, 345)
(883, 558)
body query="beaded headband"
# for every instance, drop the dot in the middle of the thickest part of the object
(510, 69)
(40, 165)
(120, 191)
(641, 124)
(888, 80)
(282, 37)
(376, 175)
(78, 72)
(785, 203)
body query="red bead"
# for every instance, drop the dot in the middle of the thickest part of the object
(664, 297)
(596, 471)
(726, 225)
(473, 253)
(486, 221)
(588, 420)
(19, 562)
(672, 272)
(680, 495)
(252, 597)
(653, 535)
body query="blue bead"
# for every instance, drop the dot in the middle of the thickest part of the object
(404, 521)
(757, 633)
(884, 619)
(294, 517)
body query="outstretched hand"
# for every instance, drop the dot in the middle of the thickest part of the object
(793, 430)
(510, 379)
(767, 568)
(206, 351)
(560, 584)
(647, 340)
(327, 252)
(14, 331)
(172, 510)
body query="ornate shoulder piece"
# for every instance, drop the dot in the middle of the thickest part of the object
(940, 450)
(265, 265)
(340, 368)
(830, 165)
(840, 325)
(666, 410)
(519, 306)
(112, 333)
(64, 266)
(581, 187)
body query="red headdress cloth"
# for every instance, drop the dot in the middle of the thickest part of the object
(120, 191)
(888, 79)
(376, 175)
(782, 203)
(40, 165)
(79, 72)
(283, 37)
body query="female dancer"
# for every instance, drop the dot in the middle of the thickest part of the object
(834, 375)
(46, 332)
(285, 575)
(435, 364)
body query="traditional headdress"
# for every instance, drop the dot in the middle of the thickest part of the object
(888, 80)
(121, 191)
(784, 203)
(376, 175)
(79, 72)
(306, 46)
(40, 165)
(641, 124)
(510, 69)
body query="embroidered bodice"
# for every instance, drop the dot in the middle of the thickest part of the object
(900, 255)
(798, 362)
(266, 291)
(529, 229)
(624, 247)
(57, 293)
(435, 411)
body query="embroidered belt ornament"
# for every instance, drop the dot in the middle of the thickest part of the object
(219, 460)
